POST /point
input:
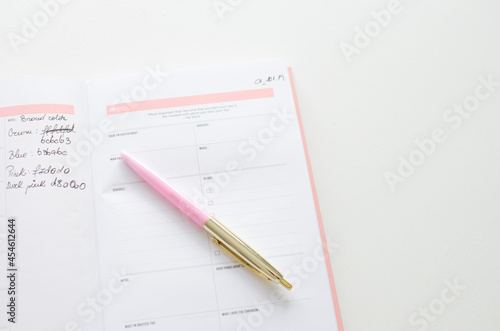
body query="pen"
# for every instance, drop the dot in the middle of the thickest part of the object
(221, 235)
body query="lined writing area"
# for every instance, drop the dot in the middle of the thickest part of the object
(259, 203)
(257, 199)
(149, 234)
(144, 232)
(219, 164)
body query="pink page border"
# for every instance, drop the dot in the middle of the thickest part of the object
(316, 204)
(37, 109)
(192, 100)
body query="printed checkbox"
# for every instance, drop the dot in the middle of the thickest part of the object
(208, 190)
(210, 203)
(217, 252)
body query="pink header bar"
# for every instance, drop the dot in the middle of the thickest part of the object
(36, 109)
(190, 100)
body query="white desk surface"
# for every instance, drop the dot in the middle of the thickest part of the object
(396, 254)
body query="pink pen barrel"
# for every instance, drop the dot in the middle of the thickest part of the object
(177, 199)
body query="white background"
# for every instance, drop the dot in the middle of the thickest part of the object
(393, 251)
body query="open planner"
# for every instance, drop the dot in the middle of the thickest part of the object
(87, 245)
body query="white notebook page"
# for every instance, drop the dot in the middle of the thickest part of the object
(42, 121)
(229, 139)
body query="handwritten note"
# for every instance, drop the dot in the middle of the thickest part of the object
(36, 149)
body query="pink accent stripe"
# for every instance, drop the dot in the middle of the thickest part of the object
(316, 204)
(190, 100)
(36, 109)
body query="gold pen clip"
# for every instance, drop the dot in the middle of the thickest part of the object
(233, 254)
(242, 252)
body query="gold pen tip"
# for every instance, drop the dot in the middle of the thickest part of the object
(286, 284)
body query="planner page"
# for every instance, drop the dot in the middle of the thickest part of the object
(46, 211)
(229, 139)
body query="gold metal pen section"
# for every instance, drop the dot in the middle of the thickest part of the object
(286, 284)
(237, 248)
